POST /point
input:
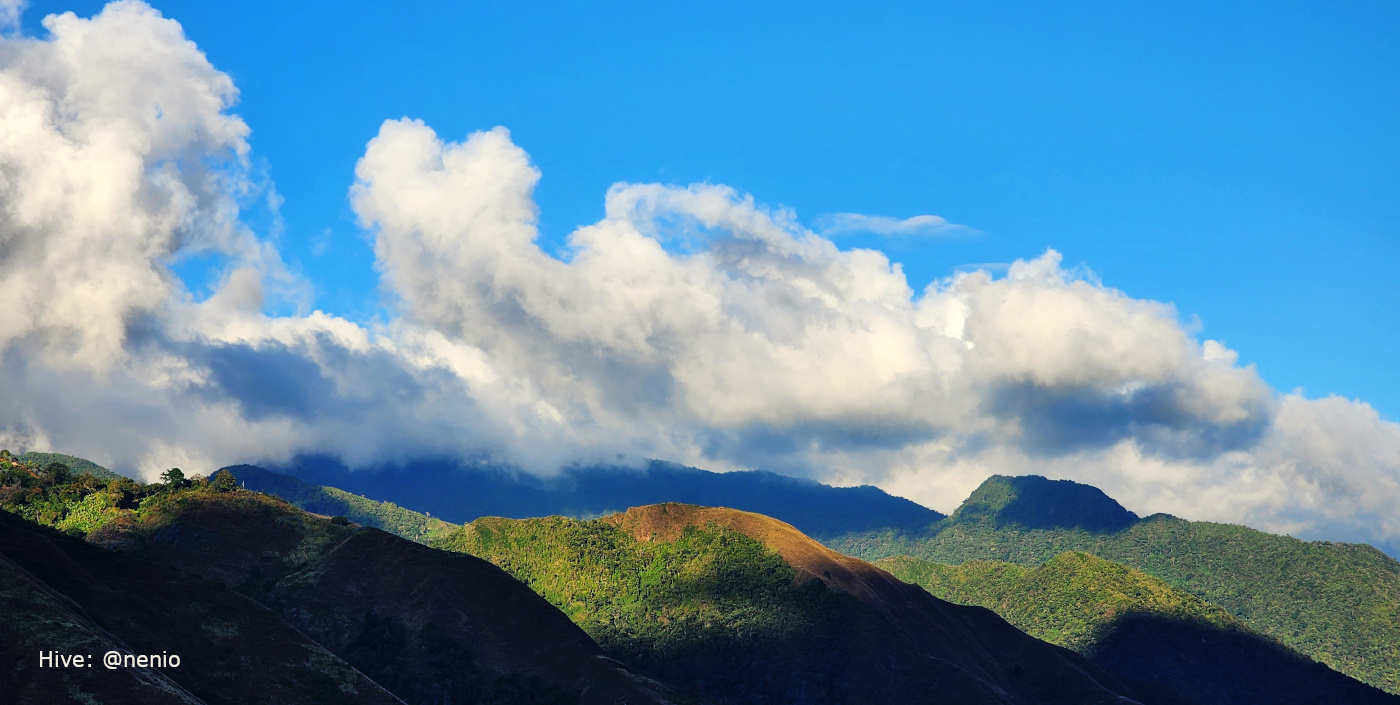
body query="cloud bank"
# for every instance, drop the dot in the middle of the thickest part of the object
(689, 324)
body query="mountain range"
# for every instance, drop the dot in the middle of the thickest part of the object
(461, 492)
(1336, 603)
(395, 618)
(674, 602)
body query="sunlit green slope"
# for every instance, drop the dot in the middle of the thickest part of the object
(1073, 600)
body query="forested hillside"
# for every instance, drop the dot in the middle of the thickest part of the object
(1334, 602)
(332, 501)
(739, 608)
(1170, 646)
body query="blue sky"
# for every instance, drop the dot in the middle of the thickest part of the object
(1240, 160)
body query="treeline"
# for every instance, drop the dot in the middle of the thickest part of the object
(80, 503)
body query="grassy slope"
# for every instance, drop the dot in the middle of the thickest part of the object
(1337, 603)
(360, 593)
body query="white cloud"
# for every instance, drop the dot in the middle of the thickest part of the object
(833, 224)
(107, 135)
(10, 12)
(689, 324)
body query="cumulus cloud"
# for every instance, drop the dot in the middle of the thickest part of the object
(10, 11)
(691, 324)
(117, 156)
(833, 224)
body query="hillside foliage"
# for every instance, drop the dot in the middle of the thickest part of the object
(1073, 600)
(1337, 603)
(334, 502)
(80, 503)
(79, 466)
(713, 611)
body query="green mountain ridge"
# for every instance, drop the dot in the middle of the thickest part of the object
(1338, 603)
(1033, 502)
(737, 607)
(1168, 645)
(1333, 602)
(651, 620)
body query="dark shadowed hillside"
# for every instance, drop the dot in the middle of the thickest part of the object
(741, 608)
(233, 580)
(60, 593)
(1334, 602)
(460, 493)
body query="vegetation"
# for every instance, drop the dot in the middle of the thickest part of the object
(80, 466)
(712, 611)
(81, 503)
(423, 665)
(1073, 600)
(59, 592)
(1167, 645)
(224, 481)
(174, 477)
(1334, 602)
(465, 491)
(48, 495)
(334, 502)
(273, 553)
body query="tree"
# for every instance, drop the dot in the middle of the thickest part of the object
(17, 476)
(58, 472)
(174, 477)
(224, 481)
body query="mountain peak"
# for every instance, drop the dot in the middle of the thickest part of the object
(1034, 502)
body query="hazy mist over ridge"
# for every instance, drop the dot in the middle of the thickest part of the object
(691, 324)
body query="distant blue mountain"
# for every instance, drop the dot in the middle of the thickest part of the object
(460, 493)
